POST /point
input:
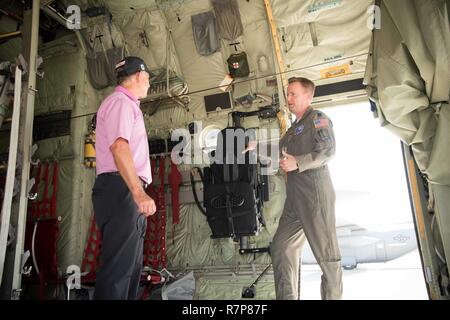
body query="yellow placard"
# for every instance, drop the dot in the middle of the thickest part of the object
(335, 71)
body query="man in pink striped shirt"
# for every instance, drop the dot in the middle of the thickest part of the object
(123, 170)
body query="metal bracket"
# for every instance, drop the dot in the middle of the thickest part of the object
(33, 149)
(15, 294)
(30, 184)
(22, 63)
(27, 271)
(25, 257)
(11, 235)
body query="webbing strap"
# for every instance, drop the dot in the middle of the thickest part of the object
(155, 242)
(45, 249)
(150, 236)
(155, 232)
(147, 240)
(43, 209)
(92, 251)
(175, 181)
(162, 210)
(52, 211)
(55, 189)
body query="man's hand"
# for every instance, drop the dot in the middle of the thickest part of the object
(288, 162)
(251, 146)
(145, 204)
(124, 163)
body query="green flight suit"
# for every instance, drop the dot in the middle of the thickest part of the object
(308, 209)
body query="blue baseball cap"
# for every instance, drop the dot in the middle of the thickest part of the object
(130, 65)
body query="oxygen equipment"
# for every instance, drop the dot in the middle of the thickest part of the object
(89, 145)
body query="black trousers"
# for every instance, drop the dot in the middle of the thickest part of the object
(123, 231)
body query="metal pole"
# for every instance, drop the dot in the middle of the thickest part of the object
(422, 224)
(26, 152)
(10, 174)
(283, 114)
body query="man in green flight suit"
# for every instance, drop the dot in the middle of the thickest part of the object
(309, 207)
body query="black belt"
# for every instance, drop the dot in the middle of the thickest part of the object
(114, 173)
(117, 173)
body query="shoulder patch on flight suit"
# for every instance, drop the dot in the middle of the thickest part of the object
(299, 129)
(323, 126)
(321, 123)
(323, 134)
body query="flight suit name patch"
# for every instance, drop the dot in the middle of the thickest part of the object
(299, 130)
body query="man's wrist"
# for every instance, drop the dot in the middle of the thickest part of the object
(136, 189)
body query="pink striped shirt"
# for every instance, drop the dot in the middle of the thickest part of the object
(119, 116)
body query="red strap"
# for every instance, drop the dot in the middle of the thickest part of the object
(45, 250)
(162, 210)
(155, 242)
(53, 209)
(92, 251)
(55, 188)
(153, 222)
(175, 181)
(151, 187)
(43, 210)
(148, 231)
(156, 230)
